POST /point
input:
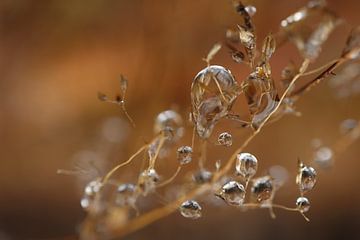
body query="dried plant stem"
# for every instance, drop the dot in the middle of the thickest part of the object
(170, 179)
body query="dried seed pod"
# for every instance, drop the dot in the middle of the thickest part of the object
(225, 139)
(246, 165)
(262, 188)
(306, 178)
(213, 92)
(233, 193)
(190, 209)
(171, 123)
(303, 204)
(126, 195)
(184, 154)
(202, 176)
(148, 180)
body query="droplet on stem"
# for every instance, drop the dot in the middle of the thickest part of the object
(303, 204)
(184, 154)
(246, 165)
(190, 209)
(148, 180)
(225, 139)
(202, 176)
(306, 178)
(126, 195)
(233, 193)
(262, 188)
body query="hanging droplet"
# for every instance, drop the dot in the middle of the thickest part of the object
(213, 92)
(184, 154)
(303, 204)
(251, 10)
(262, 188)
(225, 139)
(233, 193)
(324, 157)
(90, 191)
(306, 178)
(246, 165)
(126, 195)
(190, 209)
(202, 176)
(348, 125)
(148, 180)
(171, 123)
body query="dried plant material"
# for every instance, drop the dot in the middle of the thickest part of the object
(305, 29)
(352, 47)
(236, 54)
(213, 92)
(259, 87)
(247, 38)
(214, 50)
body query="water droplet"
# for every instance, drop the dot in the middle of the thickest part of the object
(306, 178)
(347, 125)
(262, 188)
(171, 123)
(147, 181)
(184, 154)
(190, 209)
(225, 139)
(303, 204)
(213, 92)
(90, 191)
(233, 193)
(126, 195)
(246, 165)
(251, 10)
(202, 176)
(324, 157)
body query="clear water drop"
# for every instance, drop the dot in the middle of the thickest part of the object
(246, 165)
(306, 178)
(233, 193)
(262, 188)
(184, 154)
(251, 10)
(303, 204)
(225, 139)
(148, 180)
(126, 195)
(190, 209)
(202, 176)
(171, 123)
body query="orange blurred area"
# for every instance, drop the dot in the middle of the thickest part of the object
(55, 56)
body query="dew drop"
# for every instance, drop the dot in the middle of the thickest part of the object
(190, 209)
(147, 181)
(126, 195)
(184, 154)
(225, 139)
(303, 204)
(262, 188)
(251, 10)
(202, 176)
(306, 178)
(324, 157)
(246, 165)
(90, 191)
(171, 123)
(233, 193)
(213, 92)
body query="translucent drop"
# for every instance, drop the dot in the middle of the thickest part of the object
(348, 125)
(262, 188)
(126, 195)
(90, 191)
(225, 139)
(148, 180)
(190, 209)
(171, 123)
(303, 204)
(202, 176)
(233, 193)
(213, 92)
(246, 165)
(324, 157)
(184, 154)
(306, 178)
(251, 10)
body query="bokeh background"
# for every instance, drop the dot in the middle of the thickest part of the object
(56, 55)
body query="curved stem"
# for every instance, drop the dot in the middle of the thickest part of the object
(170, 179)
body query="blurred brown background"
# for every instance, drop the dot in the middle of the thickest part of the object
(56, 55)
